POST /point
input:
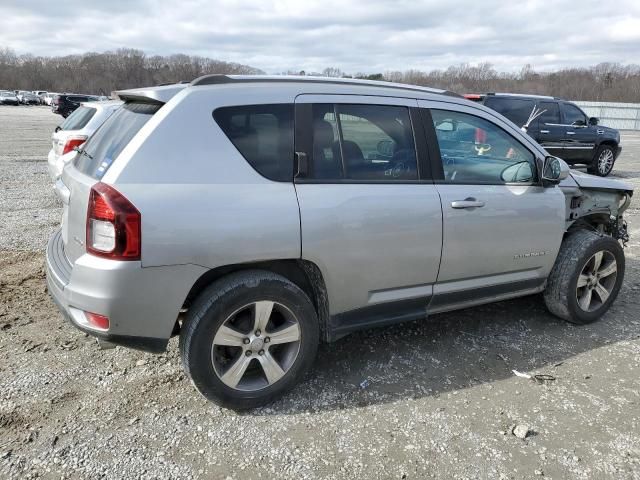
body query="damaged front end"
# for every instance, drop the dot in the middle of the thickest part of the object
(597, 203)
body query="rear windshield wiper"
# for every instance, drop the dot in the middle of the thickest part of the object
(82, 152)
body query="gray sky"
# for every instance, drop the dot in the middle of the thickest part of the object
(368, 36)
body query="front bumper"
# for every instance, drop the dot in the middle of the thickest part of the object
(617, 152)
(142, 303)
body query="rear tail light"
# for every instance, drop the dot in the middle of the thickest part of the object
(113, 225)
(73, 142)
(97, 321)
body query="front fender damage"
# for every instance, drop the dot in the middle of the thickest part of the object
(601, 209)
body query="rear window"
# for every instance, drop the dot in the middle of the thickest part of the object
(104, 146)
(263, 134)
(78, 119)
(515, 109)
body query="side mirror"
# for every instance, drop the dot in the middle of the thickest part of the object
(554, 170)
(593, 121)
(579, 123)
(58, 128)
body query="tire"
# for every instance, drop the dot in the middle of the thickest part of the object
(575, 262)
(233, 302)
(603, 161)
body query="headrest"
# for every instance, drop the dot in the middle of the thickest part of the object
(323, 136)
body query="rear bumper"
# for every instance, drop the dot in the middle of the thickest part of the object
(142, 303)
(617, 151)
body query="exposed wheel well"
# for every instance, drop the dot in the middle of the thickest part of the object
(303, 273)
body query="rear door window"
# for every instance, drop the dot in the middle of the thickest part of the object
(517, 110)
(363, 142)
(104, 146)
(78, 119)
(263, 134)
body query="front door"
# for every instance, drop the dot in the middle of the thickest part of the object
(501, 228)
(579, 135)
(370, 216)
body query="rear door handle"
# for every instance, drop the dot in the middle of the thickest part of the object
(571, 133)
(469, 202)
(544, 131)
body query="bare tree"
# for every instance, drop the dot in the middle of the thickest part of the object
(102, 73)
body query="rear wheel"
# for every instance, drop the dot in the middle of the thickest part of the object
(249, 338)
(586, 278)
(603, 160)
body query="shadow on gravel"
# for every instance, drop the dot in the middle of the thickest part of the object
(455, 350)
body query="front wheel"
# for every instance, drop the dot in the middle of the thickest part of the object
(603, 160)
(586, 278)
(249, 338)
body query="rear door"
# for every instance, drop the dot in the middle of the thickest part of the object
(370, 215)
(501, 228)
(90, 165)
(549, 132)
(579, 136)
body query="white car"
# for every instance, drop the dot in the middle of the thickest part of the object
(75, 130)
(48, 97)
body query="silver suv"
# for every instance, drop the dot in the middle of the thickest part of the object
(257, 216)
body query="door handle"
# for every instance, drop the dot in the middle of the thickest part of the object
(571, 133)
(544, 131)
(469, 202)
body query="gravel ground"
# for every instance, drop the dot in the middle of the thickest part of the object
(433, 399)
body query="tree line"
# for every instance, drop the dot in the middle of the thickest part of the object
(605, 82)
(102, 73)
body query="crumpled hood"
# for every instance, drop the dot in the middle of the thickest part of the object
(584, 180)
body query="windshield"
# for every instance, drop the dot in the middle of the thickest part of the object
(105, 145)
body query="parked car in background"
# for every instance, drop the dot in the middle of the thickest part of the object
(8, 97)
(65, 103)
(256, 216)
(74, 131)
(562, 128)
(48, 97)
(30, 98)
(20, 94)
(40, 94)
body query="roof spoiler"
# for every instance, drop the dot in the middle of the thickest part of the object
(159, 95)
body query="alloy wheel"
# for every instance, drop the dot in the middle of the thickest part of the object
(256, 346)
(605, 161)
(596, 281)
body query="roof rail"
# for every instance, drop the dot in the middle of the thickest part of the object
(547, 97)
(219, 79)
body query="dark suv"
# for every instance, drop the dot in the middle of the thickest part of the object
(65, 104)
(562, 128)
